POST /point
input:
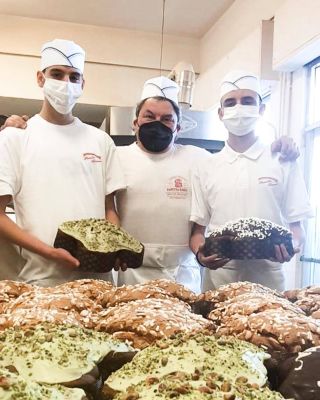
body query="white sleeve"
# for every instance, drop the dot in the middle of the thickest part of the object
(296, 206)
(115, 179)
(200, 210)
(9, 164)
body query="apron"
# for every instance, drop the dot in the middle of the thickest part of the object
(172, 262)
(265, 272)
(11, 261)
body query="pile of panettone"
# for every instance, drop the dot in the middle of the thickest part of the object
(90, 340)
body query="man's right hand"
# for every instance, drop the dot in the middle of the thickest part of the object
(212, 262)
(63, 258)
(15, 121)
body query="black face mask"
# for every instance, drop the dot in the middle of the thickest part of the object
(155, 136)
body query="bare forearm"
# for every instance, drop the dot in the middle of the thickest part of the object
(298, 234)
(112, 216)
(14, 234)
(110, 210)
(197, 238)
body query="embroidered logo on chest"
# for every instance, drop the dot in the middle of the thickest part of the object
(177, 188)
(268, 180)
(91, 157)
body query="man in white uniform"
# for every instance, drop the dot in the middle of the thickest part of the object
(155, 208)
(57, 169)
(245, 180)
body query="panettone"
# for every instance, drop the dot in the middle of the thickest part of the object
(251, 303)
(196, 386)
(10, 290)
(308, 299)
(174, 289)
(160, 288)
(93, 289)
(199, 354)
(299, 376)
(14, 386)
(57, 354)
(144, 321)
(276, 329)
(209, 300)
(248, 238)
(46, 305)
(97, 244)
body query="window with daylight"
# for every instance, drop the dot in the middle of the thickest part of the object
(311, 257)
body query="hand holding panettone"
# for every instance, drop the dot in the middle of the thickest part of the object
(250, 238)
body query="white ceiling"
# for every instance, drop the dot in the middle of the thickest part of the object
(182, 17)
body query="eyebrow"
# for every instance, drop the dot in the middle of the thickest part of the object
(249, 97)
(56, 70)
(229, 99)
(149, 111)
(74, 73)
(164, 115)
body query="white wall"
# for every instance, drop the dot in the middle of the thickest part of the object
(118, 61)
(296, 34)
(234, 42)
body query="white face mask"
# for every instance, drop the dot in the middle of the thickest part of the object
(62, 95)
(239, 119)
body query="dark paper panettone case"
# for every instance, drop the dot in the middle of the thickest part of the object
(248, 238)
(97, 243)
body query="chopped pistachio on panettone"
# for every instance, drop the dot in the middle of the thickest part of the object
(198, 385)
(13, 386)
(101, 235)
(55, 354)
(228, 357)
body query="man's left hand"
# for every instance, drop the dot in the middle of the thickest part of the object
(282, 255)
(287, 148)
(15, 121)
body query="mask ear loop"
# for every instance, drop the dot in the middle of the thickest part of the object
(136, 133)
(175, 134)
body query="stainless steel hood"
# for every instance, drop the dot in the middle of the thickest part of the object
(197, 127)
(194, 124)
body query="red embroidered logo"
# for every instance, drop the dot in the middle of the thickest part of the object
(178, 183)
(268, 180)
(92, 157)
(177, 188)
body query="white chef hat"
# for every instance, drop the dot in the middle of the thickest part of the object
(240, 79)
(62, 52)
(160, 86)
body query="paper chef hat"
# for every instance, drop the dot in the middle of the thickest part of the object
(160, 86)
(62, 52)
(235, 80)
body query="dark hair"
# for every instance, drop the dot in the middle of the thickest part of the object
(159, 98)
(3, 119)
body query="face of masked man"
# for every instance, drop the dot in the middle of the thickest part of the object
(156, 125)
(240, 110)
(62, 86)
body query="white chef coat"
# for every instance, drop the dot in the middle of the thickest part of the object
(56, 173)
(155, 209)
(11, 261)
(232, 185)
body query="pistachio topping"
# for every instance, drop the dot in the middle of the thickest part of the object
(56, 354)
(13, 386)
(195, 355)
(101, 235)
(181, 386)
